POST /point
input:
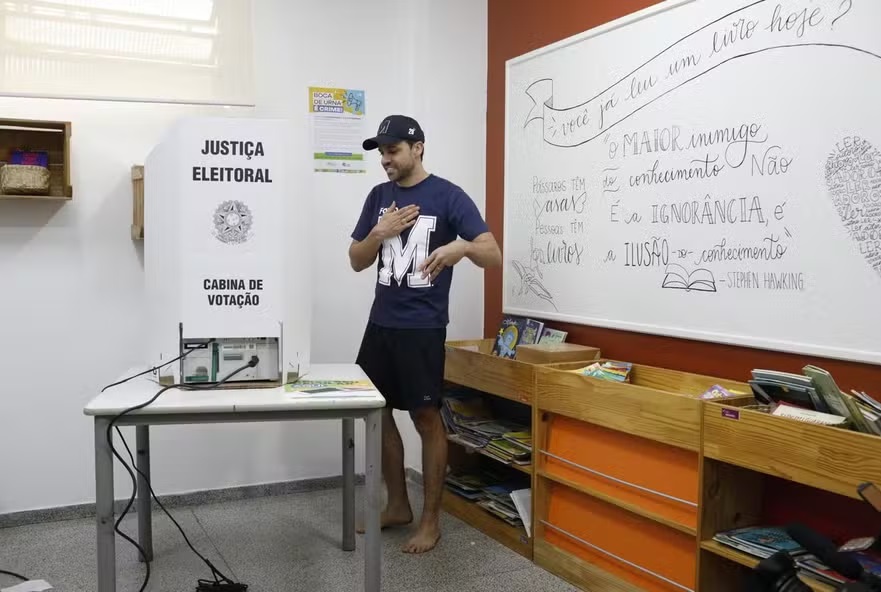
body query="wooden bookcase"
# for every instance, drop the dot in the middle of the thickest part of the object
(49, 136)
(470, 363)
(744, 451)
(617, 477)
(630, 482)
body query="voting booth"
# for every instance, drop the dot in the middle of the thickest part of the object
(225, 248)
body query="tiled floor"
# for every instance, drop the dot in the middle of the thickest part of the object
(275, 544)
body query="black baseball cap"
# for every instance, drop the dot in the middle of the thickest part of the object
(394, 129)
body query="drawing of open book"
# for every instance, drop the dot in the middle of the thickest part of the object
(678, 278)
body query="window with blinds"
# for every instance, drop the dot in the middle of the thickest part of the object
(181, 51)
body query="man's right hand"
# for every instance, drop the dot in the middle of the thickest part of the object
(394, 221)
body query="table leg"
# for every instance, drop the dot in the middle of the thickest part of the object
(373, 543)
(348, 484)
(104, 508)
(145, 510)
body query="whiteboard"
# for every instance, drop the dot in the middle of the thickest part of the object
(705, 169)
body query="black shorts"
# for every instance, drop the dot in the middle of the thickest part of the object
(405, 365)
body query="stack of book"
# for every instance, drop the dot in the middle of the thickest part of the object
(467, 485)
(763, 541)
(815, 397)
(495, 494)
(759, 541)
(515, 330)
(512, 448)
(608, 370)
(499, 503)
(468, 422)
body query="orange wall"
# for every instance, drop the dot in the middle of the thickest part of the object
(517, 27)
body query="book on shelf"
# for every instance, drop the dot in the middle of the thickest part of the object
(503, 497)
(549, 335)
(812, 567)
(508, 452)
(815, 397)
(839, 402)
(867, 401)
(522, 499)
(498, 502)
(516, 330)
(521, 438)
(759, 541)
(718, 391)
(607, 370)
(771, 386)
(512, 332)
(469, 422)
(763, 541)
(807, 415)
(469, 486)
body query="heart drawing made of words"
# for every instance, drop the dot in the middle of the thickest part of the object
(853, 177)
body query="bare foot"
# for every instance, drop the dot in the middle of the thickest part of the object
(424, 540)
(391, 518)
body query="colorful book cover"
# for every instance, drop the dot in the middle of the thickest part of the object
(532, 331)
(608, 370)
(509, 336)
(549, 335)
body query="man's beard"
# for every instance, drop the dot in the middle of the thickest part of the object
(402, 173)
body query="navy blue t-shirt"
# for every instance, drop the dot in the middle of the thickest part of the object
(403, 298)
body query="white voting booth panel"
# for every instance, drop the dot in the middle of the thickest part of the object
(221, 204)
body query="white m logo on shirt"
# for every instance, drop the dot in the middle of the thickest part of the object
(398, 260)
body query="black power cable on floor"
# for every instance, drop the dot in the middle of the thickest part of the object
(221, 583)
(14, 575)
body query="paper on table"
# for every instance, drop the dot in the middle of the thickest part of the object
(323, 387)
(29, 586)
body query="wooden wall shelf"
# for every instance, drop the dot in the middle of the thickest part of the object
(137, 202)
(52, 137)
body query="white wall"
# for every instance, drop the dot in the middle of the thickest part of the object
(72, 303)
(449, 100)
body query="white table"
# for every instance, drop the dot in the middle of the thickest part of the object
(176, 406)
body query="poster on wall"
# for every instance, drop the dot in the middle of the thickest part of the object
(337, 116)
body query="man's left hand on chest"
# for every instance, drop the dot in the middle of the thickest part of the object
(443, 257)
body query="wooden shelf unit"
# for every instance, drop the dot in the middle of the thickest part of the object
(470, 363)
(744, 453)
(617, 477)
(49, 136)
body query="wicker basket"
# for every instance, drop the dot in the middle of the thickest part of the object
(19, 179)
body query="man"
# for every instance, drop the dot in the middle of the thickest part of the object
(413, 222)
